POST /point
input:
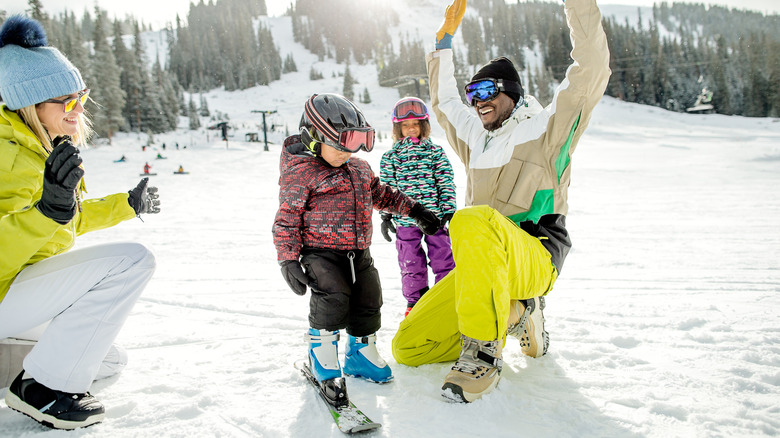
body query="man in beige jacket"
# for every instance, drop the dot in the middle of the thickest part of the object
(510, 242)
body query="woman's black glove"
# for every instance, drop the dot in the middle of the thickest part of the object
(61, 176)
(294, 276)
(387, 226)
(144, 199)
(426, 220)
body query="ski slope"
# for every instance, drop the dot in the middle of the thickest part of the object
(664, 322)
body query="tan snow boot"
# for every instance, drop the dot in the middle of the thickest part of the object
(526, 323)
(476, 371)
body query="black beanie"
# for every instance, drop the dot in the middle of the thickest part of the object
(501, 68)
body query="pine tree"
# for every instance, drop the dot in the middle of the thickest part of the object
(530, 87)
(135, 71)
(349, 84)
(204, 107)
(106, 91)
(773, 63)
(314, 74)
(192, 112)
(365, 97)
(289, 64)
(168, 99)
(73, 47)
(544, 85)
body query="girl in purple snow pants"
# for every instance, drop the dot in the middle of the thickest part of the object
(421, 170)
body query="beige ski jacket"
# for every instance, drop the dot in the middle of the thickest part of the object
(523, 168)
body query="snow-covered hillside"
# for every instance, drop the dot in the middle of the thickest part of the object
(663, 323)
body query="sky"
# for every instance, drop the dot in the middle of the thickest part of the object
(158, 13)
(663, 322)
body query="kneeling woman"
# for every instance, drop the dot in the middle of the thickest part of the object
(84, 295)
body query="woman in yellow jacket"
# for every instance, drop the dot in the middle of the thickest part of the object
(83, 295)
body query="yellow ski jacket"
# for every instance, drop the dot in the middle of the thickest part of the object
(26, 235)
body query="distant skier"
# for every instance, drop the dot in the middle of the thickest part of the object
(511, 240)
(147, 167)
(421, 170)
(323, 225)
(121, 160)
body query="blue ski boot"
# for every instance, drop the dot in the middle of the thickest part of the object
(324, 354)
(325, 367)
(362, 360)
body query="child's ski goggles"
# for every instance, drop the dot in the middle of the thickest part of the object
(485, 90)
(350, 140)
(69, 104)
(410, 108)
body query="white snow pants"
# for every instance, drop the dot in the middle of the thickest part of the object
(86, 295)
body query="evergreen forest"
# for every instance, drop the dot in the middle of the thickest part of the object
(665, 60)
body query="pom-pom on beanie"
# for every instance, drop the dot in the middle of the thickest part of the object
(31, 72)
(501, 68)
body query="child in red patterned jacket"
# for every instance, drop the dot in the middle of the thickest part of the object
(322, 232)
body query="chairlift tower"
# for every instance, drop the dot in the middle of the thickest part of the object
(265, 129)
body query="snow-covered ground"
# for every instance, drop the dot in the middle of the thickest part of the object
(664, 321)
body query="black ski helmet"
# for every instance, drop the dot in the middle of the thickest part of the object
(325, 116)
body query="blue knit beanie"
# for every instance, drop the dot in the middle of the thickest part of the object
(30, 72)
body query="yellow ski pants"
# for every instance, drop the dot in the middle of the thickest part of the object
(495, 262)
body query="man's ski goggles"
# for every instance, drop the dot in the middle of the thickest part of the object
(350, 140)
(485, 90)
(70, 103)
(410, 109)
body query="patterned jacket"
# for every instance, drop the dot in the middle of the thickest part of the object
(321, 206)
(423, 172)
(523, 168)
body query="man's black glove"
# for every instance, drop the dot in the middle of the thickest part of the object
(144, 199)
(426, 220)
(61, 176)
(387, 226)
(294, 276)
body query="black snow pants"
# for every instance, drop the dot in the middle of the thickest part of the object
(339, 300)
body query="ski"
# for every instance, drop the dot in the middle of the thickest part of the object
(348, 418)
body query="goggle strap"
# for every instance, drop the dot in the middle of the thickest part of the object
(511, 86)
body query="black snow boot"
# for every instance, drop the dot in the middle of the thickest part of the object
(52, 408)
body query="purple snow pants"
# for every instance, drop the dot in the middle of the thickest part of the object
(413, 261)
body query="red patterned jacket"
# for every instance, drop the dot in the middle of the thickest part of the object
(321, 206)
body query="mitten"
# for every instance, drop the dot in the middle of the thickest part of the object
(294, 276)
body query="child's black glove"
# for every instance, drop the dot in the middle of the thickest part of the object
(144, 199)
(294, 276)
(387, 226)
(61, 176)
(426, 220)
(445, 220)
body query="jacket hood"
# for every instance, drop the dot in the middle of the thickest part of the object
(293, 153)
(524, 110)
(13, 127)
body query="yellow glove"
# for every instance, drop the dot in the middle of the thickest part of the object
(452, 17)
